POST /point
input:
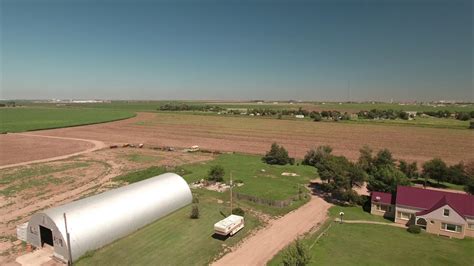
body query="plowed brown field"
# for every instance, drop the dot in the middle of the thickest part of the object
(254, 135)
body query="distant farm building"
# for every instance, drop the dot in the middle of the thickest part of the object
(99, 220)
(411, 114)
(299, 116)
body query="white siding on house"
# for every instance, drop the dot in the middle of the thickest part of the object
(438, 214)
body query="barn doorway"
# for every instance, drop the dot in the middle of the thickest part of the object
(46, 236)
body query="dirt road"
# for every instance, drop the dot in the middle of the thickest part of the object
(86, 146)
(261, 247)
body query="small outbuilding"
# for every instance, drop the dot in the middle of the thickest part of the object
(90, 223)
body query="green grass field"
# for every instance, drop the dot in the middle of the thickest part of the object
(355, 213)
(248, 169)
(433, 183)
(20, 119)
(269, 184)
(173, 240)
(370, 244)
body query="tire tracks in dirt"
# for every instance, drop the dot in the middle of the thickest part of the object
(97, 146)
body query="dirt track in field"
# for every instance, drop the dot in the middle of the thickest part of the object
(96, 145)
(18, 148)
(255, 135)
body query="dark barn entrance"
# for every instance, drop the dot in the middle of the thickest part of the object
(46, 236)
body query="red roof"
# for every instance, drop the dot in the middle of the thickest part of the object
(429, 200)
(382, 197)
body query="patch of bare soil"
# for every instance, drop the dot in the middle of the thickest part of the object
(17, 148)
(28, 189)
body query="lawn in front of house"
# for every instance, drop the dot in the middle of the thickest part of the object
(371, 244)
(355, 213)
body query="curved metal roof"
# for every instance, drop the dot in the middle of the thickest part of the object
(98, 220)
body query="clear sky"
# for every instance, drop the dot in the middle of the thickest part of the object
(302, 50)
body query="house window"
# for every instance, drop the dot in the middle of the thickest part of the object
(380, 207)
(404, 215)
(446, 212)
(451, 227)
(471, 227)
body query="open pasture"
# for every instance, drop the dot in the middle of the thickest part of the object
(20, 119)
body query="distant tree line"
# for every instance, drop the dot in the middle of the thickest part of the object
(186, 107)
(8, 104)
(383, 114)
(332, 115)
(394, 114)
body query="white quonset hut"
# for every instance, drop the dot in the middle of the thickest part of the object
(98, 220)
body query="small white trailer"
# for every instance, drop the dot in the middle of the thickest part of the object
(229, 226)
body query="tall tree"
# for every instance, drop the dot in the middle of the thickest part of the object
(409, 169)
(384, 158)
(277, 155)
(469, 187)
(457, 174)
(317, 155)
(216, 173)
(386, 179)
(356, 175)
(365, 160)
(435, 169)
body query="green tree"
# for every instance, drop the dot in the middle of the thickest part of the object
(194, 212)
(384, 158)
(216, 173)
(317, 155)
(317, 117)
(469, 187)
(277, 155)
(457, 174)
(386, 179)
(365, 160)
(297, 255)
(409, 169)
(435, 169)
(356, 175)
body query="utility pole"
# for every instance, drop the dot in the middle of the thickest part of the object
(231, 193)
(349, 90)
(68, 240)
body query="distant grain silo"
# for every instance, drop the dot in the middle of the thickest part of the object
(98, 220)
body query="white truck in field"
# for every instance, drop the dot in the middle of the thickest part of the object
(229, 226)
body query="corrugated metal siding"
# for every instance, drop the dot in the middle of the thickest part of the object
(98, 220)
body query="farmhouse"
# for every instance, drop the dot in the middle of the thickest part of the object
(88, 224)
(438, 212)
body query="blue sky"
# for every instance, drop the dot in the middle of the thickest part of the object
(307, 50)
